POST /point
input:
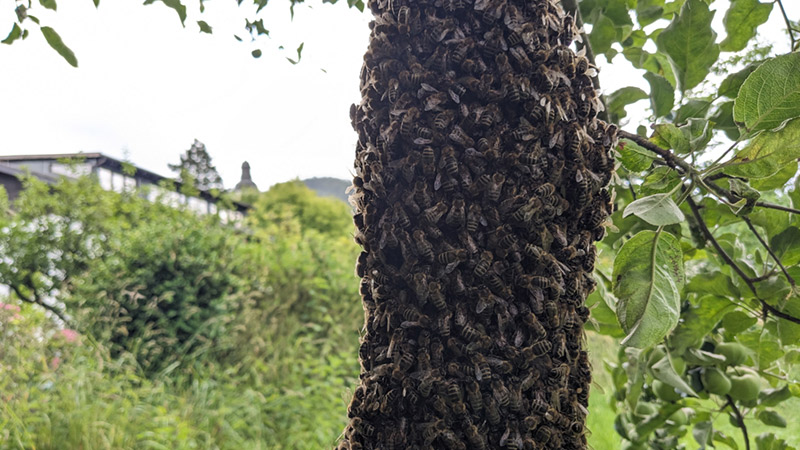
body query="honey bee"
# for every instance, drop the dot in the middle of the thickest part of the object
(483, 264)
(419, 284)
(362, 427)
(408, 121)
(448, 161)
(442, 120)
(437, 296)
(460, 51)
(445, 183)
(453, 392)
(400, 216)
(482, 370)
(458, 136)
(534, 325)
(495, 186)
(492, 412)
(421, 195)
(451, 257)
(528, 382)
(543, 434)
(433, 214)
(560, 344)
(475, 438)
(474, 396)
(474, 218)
(545, 190)
(456, 216)
(539, 348)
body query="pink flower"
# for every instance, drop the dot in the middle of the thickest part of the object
(55, 362)
(69, 335)
(15, 308)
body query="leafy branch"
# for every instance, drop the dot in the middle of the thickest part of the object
(766, 307)
(35, 299)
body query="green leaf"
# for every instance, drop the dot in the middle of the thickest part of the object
(299, 53)
(659, 180)
(662, 95)
(656, 209)
(204, 27)
(648, 278)
(668, 136)
(723, 438)
(772, 397)
(16, 33)
(716, 283)
(256, 53)
(771, 418)
(741, 21)
(96, 3)
(723, 119)
(617, 101)
(603, 34)
(663, 370)
(737, 321)
(786, 246)
(633, 156)
(702, 433)
(747, 193)
(58, 45)
(49, 4)
(776, 181)
(689, 41)
(178, 7)
(648, 11)
(698, 321)
(768, 441)
(699, 133)
(767, 153)
(693, 109)
(770, 96)
(730, 85)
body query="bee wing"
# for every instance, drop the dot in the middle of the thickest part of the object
(456, 98)
(422, 141)
(437, 183)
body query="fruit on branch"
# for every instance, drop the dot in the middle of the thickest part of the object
(715, 381)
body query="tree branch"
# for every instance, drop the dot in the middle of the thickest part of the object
(739, 420)
(766, 307)
(38, 301)
(571, 6)
(788, 25)
(778, 207)
(769, 250)
(671, 160)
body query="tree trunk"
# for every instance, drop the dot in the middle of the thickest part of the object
(480, 169)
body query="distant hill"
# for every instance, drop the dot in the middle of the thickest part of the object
(329, 187)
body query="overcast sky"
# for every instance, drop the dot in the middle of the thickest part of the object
(146, 88)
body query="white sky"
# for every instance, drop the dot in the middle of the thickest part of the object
(146, 88)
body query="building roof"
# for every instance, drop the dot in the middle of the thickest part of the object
(100, 160)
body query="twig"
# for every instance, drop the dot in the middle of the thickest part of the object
(788, 24)
(739, 420)
(778, 207)
(37, 301)
(571, 6)
(769, 250)
(766, 307)
(671, 160)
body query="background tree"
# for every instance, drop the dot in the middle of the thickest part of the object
(196, 168)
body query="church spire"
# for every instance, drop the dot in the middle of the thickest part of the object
(246, 182)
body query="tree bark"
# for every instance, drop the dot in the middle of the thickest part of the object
(480, 182)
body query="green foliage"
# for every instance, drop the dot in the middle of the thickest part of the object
(713, 343)
(276, 302)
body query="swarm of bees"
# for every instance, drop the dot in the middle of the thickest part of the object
(478, 194)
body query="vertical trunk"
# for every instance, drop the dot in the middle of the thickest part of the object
(479, 194)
